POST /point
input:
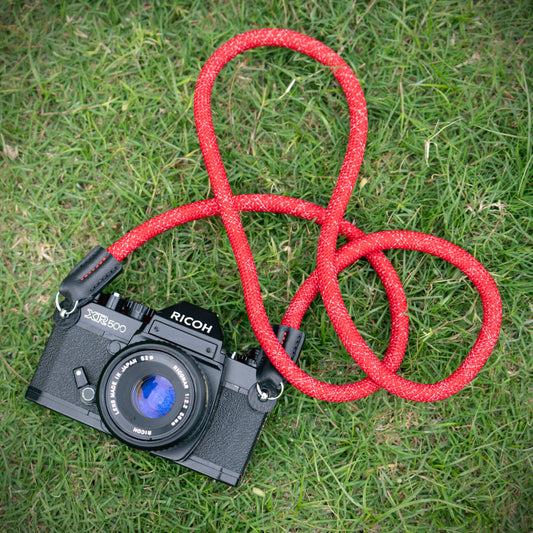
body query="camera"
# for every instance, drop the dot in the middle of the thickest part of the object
(160, 381)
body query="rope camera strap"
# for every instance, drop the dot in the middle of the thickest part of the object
(330, 260)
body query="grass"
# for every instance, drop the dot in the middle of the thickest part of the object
(97, 135)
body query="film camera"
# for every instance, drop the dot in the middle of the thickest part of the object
(159, 381)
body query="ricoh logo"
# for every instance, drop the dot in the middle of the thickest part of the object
(191, 322)
(140, 431)
(103, 320)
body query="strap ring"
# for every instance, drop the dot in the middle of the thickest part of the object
(263, 395)
(63, 313)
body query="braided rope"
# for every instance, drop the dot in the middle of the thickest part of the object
(330, 260)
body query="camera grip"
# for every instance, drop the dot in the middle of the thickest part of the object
(65, 350)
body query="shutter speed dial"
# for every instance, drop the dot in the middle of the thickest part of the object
(133, 309)
(137, 310)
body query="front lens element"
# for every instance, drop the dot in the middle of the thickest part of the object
(153, 396)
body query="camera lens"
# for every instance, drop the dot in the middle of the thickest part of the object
(152, 395)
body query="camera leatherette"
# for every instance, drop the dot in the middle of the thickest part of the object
(69, 349)
(236, 425)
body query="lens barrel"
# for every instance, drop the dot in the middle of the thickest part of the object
(151, 395)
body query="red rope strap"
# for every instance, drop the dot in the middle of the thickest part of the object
(330, 261)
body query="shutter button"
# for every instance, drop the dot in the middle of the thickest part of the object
(113, 301)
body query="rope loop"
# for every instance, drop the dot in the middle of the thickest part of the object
(330, 260)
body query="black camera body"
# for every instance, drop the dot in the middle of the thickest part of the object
(159, 381)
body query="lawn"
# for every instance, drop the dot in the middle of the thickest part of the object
(97, 135)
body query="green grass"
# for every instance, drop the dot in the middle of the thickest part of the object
(97, 135)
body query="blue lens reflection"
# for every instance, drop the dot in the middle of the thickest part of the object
(154, 396)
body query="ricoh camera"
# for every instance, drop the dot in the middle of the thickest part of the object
(156, 380)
